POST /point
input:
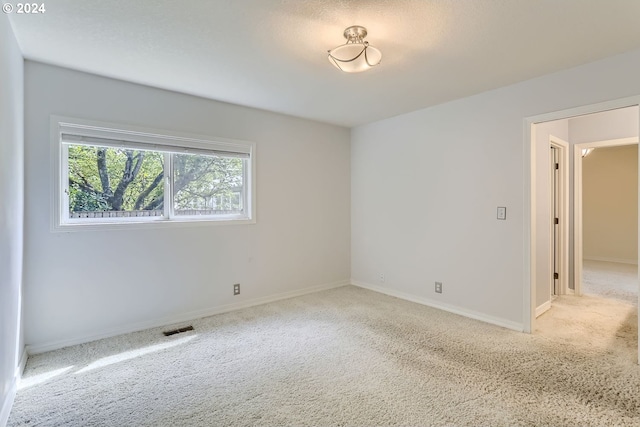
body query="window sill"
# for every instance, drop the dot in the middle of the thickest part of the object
(136, 224)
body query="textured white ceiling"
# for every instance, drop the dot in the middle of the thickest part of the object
(271, 54)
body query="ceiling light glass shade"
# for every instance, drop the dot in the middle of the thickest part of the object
(356, 55)
(587, 151)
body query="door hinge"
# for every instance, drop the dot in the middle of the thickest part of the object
(556, 276)
(557, 166)
(556, 221)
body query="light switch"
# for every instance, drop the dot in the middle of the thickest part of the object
(502, 212)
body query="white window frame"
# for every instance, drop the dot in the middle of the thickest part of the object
(118, 135)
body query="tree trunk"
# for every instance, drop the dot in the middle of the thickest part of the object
(145, 193)
(103, 172)
(129, 174)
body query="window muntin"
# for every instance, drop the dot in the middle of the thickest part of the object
(112, 176)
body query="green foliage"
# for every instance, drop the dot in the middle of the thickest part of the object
(89, 192)
(106, 179)
(85, 201)
(207, 182)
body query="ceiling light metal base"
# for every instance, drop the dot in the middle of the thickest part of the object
(355, 32)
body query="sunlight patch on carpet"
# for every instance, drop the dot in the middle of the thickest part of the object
(132, 354)
(42, 378)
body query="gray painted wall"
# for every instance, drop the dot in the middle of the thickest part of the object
(425, 187)
(11, 211)
(86, 284)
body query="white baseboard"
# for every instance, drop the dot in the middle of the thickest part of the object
(543, 308)
(22, 364)
(442, 306)
(185, 317)
(617, 260)
(7, 403)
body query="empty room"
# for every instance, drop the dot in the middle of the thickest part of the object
(319, 213)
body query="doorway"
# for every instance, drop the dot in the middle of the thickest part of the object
(538, 236)
(581, 151)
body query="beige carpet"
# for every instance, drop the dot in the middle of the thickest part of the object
(610, 280)
(348, 357)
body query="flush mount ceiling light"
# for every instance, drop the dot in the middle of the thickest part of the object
(355, 55)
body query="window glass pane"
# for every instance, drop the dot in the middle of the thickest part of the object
(207, 185)
(112, 182)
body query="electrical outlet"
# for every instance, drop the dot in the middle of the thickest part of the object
(438, 287)
(236, 289)
(381, 277)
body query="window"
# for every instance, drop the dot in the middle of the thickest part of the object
(123, 176)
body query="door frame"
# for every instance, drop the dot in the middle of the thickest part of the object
(563, 215)
(577, 203)
(529, 190)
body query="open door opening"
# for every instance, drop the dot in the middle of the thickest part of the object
(606, 216)
(581, 129)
